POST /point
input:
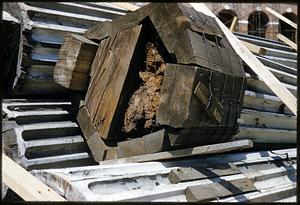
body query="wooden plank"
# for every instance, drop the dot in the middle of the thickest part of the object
(233, 24)
(254, 48)
(107, 85)
(287, 41)
(128, 6)
(201, 172)
(260, 87)
(271, 81)
(259, 119)
(74, 62)
(281, 17)
(97, 146)
(264, 135)
(201, 150)
(23, 183)
(217, 190)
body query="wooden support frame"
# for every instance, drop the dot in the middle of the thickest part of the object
(271, 81)
(287, 41)
(281, 17)
(27, 186)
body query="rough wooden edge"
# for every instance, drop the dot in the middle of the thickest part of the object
(271, 81)
(25, 184)
(287, 41)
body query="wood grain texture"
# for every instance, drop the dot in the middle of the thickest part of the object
(109, 71)
(74, 62)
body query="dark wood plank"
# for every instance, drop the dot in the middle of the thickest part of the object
(97, 146)
(202, 172)
(109, 71)
(223, 188)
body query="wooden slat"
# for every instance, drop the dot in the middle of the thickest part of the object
(23, 183)
(254, 48)
(202, 172)
(128, 6)
(233, 24)
(201, 150)
(281, 17)
(271, 81)
(287, 41)
(218, 190)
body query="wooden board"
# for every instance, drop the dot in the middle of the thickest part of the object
(281, 17)
(97, 146)
(287, 41)
(254, 48)
(201, 150)
(217, 190)
(128, 6)
(74, 62)
(271, 81)
(109, 71)
(233, 23)
(23, 183)
(201, 172)
(154, 142)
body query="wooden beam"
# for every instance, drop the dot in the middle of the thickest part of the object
(74, 62)
(254, 48)
(128, 6)
(287, 41)
(201, 150)
(271, 81)
(23, 183)
(281, 17)
(233, 24)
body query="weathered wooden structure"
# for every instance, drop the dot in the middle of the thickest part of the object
(175, 72)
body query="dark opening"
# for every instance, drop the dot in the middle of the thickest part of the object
(257, 23)
(287, 30)
(226, 16)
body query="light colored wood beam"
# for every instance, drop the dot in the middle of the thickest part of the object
(271, 81)
(281, 17)
(254, 48)
(23, 183)
(233, 24)
(128, 6)
(287, 41)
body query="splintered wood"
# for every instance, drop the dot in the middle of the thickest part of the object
(144, 102)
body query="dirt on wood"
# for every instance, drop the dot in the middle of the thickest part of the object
(144, 102)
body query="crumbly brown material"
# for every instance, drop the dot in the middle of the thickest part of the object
(144, 102)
